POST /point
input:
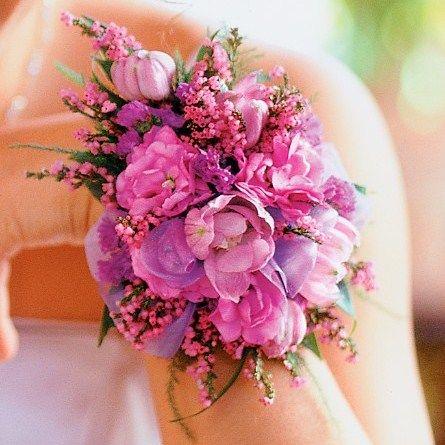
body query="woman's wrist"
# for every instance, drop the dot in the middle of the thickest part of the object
(315, 413)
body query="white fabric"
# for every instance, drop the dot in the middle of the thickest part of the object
(63, 390)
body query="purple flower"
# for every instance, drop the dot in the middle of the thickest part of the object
(206, 166)
(115, 268)
(164, 254)
(293, 261)
(168, 117)
(182, 90)
(127, 141)
(108, 259)
(132, 113)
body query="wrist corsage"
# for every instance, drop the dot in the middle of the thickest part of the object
(228, 225)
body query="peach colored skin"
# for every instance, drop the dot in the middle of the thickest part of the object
(383, 390)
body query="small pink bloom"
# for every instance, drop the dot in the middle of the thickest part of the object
(157, 178)
(276, 72)
(145, 74)
(363, 275)
(233, 236)
(67, 18)
(57, 167)
(108, 107)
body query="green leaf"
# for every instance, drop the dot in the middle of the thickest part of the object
(345, 301)
(360, 188)
(54, 149)
(182, 73)
(70, 74)
(262, 77)
(310, 342)
(111, 162)
(105, 325)
(95, 187)
(105, 64)
(203, 51)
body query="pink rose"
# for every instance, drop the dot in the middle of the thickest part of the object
(158, 178)
(288, 178)
(257, 317)
(341, 236)
(145, 74)
(291, 331)
(233, 236)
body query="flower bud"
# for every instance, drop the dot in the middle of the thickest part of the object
(145, 74)
(255, 113)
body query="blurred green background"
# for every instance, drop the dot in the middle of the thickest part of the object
(398, 49)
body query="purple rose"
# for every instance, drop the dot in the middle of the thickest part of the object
(164, 256)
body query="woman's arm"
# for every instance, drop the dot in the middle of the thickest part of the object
(41, 213)
(317, 413)
(384, 387)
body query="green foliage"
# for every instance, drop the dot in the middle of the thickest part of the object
(310, 342)
(105, 325)
(345, 301)
(70, 74)
(110, 161)
(262, 77)
(295, 361)
(360, 188)
(105, 64)
(54, 149)
(182, 73)
(94, 186)
(177, 364)
(203, 51)
(232, 44)
(262, 376)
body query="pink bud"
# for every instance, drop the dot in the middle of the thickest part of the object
(145, 74)
(255, 113)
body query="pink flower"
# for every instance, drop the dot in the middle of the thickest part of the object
(157, 178)
(67, 18)
(233, 236)
(363, 275)
(145, 74)
(258, 315)
(358, 207)
(291, 331)
(320, 286)
(288, 178)
(276, 72)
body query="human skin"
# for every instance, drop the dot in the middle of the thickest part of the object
(382, 390)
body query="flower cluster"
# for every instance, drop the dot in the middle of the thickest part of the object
(229, 224)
